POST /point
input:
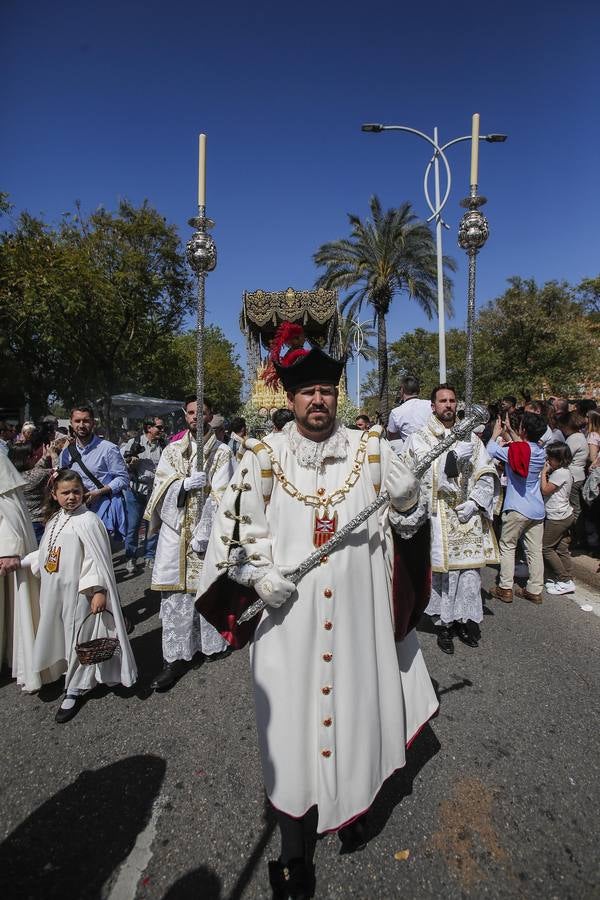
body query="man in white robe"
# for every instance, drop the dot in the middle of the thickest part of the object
(19, 592)
(337, 699)
(458, 494)
(173, 507)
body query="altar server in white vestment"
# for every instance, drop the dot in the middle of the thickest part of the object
(173, 507)
(337, 699)
(79, 600)
(19, 589)
(458, 494)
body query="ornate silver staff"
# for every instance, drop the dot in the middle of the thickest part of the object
(478, 416)
(473, 232)
(201, 254)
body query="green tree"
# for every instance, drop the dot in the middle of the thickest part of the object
(388, 255)
(175, 369)
(587, 293)
(416, 353)
(84, 305)
(531, 340)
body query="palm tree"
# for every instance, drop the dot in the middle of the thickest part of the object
(347, 348)
(390, 254)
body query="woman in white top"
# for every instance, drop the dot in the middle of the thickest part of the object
(556, 484)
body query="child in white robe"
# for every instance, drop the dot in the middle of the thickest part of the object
(74, 564)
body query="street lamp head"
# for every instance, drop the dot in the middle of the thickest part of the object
(496, 138)
(371, 127)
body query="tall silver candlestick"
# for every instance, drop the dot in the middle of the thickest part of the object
(201, 254)
(473, 232)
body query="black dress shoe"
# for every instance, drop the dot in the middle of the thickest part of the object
(171, 673)
(354, 836)
(444, 639)
(295, 878)
(463, 634)
(215, 657)
(65, 715)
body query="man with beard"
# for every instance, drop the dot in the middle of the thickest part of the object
(340, 684)
(458, 493)
(173, 507)
(102, 470)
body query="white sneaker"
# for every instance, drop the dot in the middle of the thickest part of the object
(149, 563)
(550, 586)
(130, 566)
(562, 587)
(566, 587)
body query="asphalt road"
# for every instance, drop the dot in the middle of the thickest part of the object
(159, 796)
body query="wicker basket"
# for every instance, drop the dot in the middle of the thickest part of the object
(98, 650)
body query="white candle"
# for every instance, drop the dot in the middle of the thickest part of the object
(202, 170)
(475, 149)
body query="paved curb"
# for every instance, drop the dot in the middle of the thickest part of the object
(585, 569)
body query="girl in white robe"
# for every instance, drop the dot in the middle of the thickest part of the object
(75, 567)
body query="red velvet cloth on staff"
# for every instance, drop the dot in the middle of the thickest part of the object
(519, 455)
(225, 600)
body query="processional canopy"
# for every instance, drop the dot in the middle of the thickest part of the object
(262, 313)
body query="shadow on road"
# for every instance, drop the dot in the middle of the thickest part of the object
(400, 784)
(199, 883)
(255, 857)
(73, 842)
(144, 608)
(147, 649)
(204, 883)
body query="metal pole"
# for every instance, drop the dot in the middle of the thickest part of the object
(436, 213)
(358, 340)
(202, 257)
(473, 232)
(440, 266)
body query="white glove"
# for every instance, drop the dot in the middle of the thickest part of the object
(273, 588)
(463, 450)
(465, 510)
(402, 487)
(194, 481)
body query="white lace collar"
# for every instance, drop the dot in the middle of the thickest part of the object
(312, 454)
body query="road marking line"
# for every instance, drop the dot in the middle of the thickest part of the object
(132, 868)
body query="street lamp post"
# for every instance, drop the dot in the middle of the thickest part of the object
(436, 210)
(358, 340)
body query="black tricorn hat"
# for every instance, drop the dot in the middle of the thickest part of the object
(315, 367)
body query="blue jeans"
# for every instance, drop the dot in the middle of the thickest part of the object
(38, 528)
(136, 504)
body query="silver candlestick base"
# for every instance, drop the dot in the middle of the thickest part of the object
(201, 250)
(473, 232)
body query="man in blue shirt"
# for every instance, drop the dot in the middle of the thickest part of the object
(106, 477)
(523, 511)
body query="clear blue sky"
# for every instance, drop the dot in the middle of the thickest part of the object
(102, 101)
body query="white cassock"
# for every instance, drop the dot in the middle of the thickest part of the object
(85, 565)
(19, 591)
(337, 700)
(177, 566)
(458, 550)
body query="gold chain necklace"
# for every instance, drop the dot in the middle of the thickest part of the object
(53, 555)
(322, 500)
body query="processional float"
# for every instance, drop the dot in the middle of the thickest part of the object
(262, 313)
